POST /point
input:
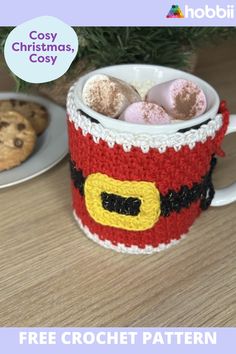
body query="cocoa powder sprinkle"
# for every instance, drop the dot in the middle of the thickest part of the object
(109, 96)
(186, 102)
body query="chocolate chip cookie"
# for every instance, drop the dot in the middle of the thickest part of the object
(34, 112)
(17, 139)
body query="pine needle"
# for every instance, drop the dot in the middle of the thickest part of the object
(102, 46)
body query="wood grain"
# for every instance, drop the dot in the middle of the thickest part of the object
(52, 275)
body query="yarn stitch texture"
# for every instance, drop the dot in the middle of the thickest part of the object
(121, 202)
(145, 142)
(168, 168)
(120, 247)
(146, 192)
(120, 205)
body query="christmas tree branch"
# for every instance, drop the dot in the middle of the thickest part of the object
(101, 46)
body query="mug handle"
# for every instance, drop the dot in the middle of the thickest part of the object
(226, 195)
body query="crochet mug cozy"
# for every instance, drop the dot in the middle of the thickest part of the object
(139, 188)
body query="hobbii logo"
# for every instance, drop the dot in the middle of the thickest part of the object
(201, 12)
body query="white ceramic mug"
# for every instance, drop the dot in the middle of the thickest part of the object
(142, 73)
(92, 133)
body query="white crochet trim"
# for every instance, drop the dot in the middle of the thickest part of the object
(121, 247)
(144, 141)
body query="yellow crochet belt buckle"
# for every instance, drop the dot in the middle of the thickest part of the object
(128, 205)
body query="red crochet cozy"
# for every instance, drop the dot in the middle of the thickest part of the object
(182, 177)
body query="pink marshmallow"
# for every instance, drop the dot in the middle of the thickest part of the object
(182, 99)
(145, 113)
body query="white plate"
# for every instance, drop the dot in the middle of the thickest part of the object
(50, 148)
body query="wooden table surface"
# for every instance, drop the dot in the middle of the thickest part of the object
(52, 275)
